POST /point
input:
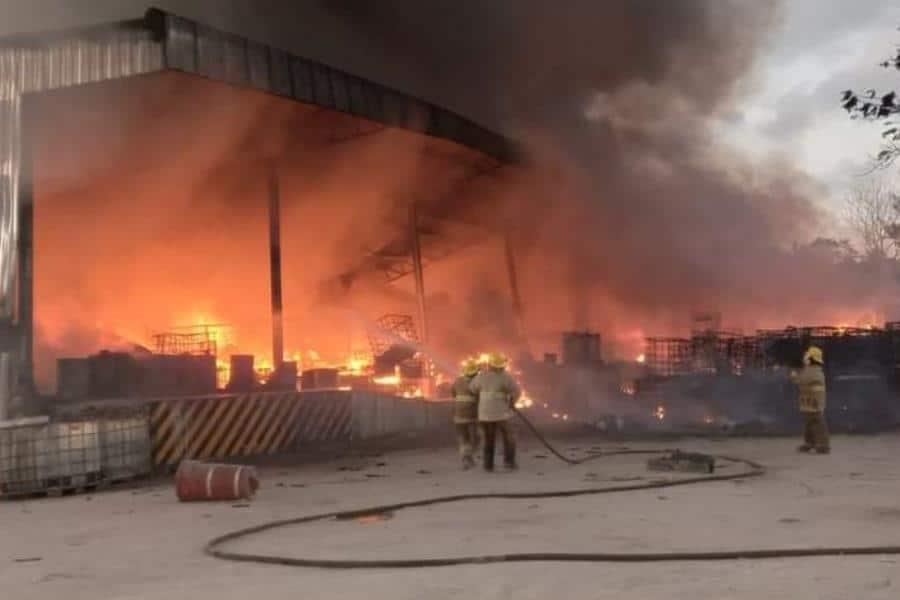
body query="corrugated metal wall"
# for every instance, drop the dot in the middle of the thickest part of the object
(194, 48)
(35, 67)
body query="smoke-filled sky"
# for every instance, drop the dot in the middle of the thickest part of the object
(680, 148)
(812, 49)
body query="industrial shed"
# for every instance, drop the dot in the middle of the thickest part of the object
(315, 108)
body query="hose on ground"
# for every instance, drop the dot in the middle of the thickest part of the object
(215, 547)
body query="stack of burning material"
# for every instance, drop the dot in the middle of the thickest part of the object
(844, 347)
(744, 353)
(668, 357)
(114, 375)
(284, 378)
(179, 375)
(582, 349)
(110, 375)
(242, 376)
(398, 357)
(319, 379)
(724, 353)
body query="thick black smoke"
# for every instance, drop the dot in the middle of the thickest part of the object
(633, 214)
(647, 215)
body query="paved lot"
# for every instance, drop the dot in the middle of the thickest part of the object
(143, 544)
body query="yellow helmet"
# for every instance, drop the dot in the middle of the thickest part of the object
(497, 361)
(814, 354)
(470, 367)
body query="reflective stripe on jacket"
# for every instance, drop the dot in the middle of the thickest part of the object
(497, 391)
(810, 381)
(465, 408)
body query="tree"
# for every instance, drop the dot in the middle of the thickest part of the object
(839, 252)
(873, 106)
(873, 213)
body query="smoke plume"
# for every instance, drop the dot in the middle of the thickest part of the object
(628, 215)
(635, 214)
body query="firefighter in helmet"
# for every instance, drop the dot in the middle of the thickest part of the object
(465, 412)
(497, 393)
(810, 382)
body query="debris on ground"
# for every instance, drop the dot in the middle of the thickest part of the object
(691, 462)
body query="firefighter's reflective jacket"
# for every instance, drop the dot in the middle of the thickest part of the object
(496, 391)
(810, 381)
(466, 407)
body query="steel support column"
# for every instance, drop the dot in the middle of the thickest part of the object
(514, 287)
(275, 268)
(23, 384)
(416, 252)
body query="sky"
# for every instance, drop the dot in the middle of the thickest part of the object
(789, 107)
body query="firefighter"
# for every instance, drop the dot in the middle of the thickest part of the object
(497, 393)
(810, 382)
(465, 412)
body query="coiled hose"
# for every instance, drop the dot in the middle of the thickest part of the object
(215, 547)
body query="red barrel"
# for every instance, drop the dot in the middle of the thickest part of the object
(202, 481)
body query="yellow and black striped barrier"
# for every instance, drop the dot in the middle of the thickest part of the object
(219, 427)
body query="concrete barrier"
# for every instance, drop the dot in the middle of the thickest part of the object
(375, 415)
(246, 425)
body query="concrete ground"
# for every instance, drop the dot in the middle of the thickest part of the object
(143, 544)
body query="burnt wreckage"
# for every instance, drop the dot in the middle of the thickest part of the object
(719, 381)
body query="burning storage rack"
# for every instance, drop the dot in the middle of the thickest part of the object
(348, 106)
(720, 377)
(196, 340)
(388, 351)
(723, 353)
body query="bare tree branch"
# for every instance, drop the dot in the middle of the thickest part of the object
(872, 211)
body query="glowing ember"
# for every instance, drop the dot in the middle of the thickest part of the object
(660, 412)
(263, 371)
(525, 401)
(628, 388)
(223, 373)
(356, 365)
(708, 420)
(642, 358)
(392, 380)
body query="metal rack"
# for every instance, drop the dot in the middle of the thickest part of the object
(199, 339)
(38, 456)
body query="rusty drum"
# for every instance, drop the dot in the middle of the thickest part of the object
(196, 480)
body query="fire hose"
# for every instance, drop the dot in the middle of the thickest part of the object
(215, 547)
